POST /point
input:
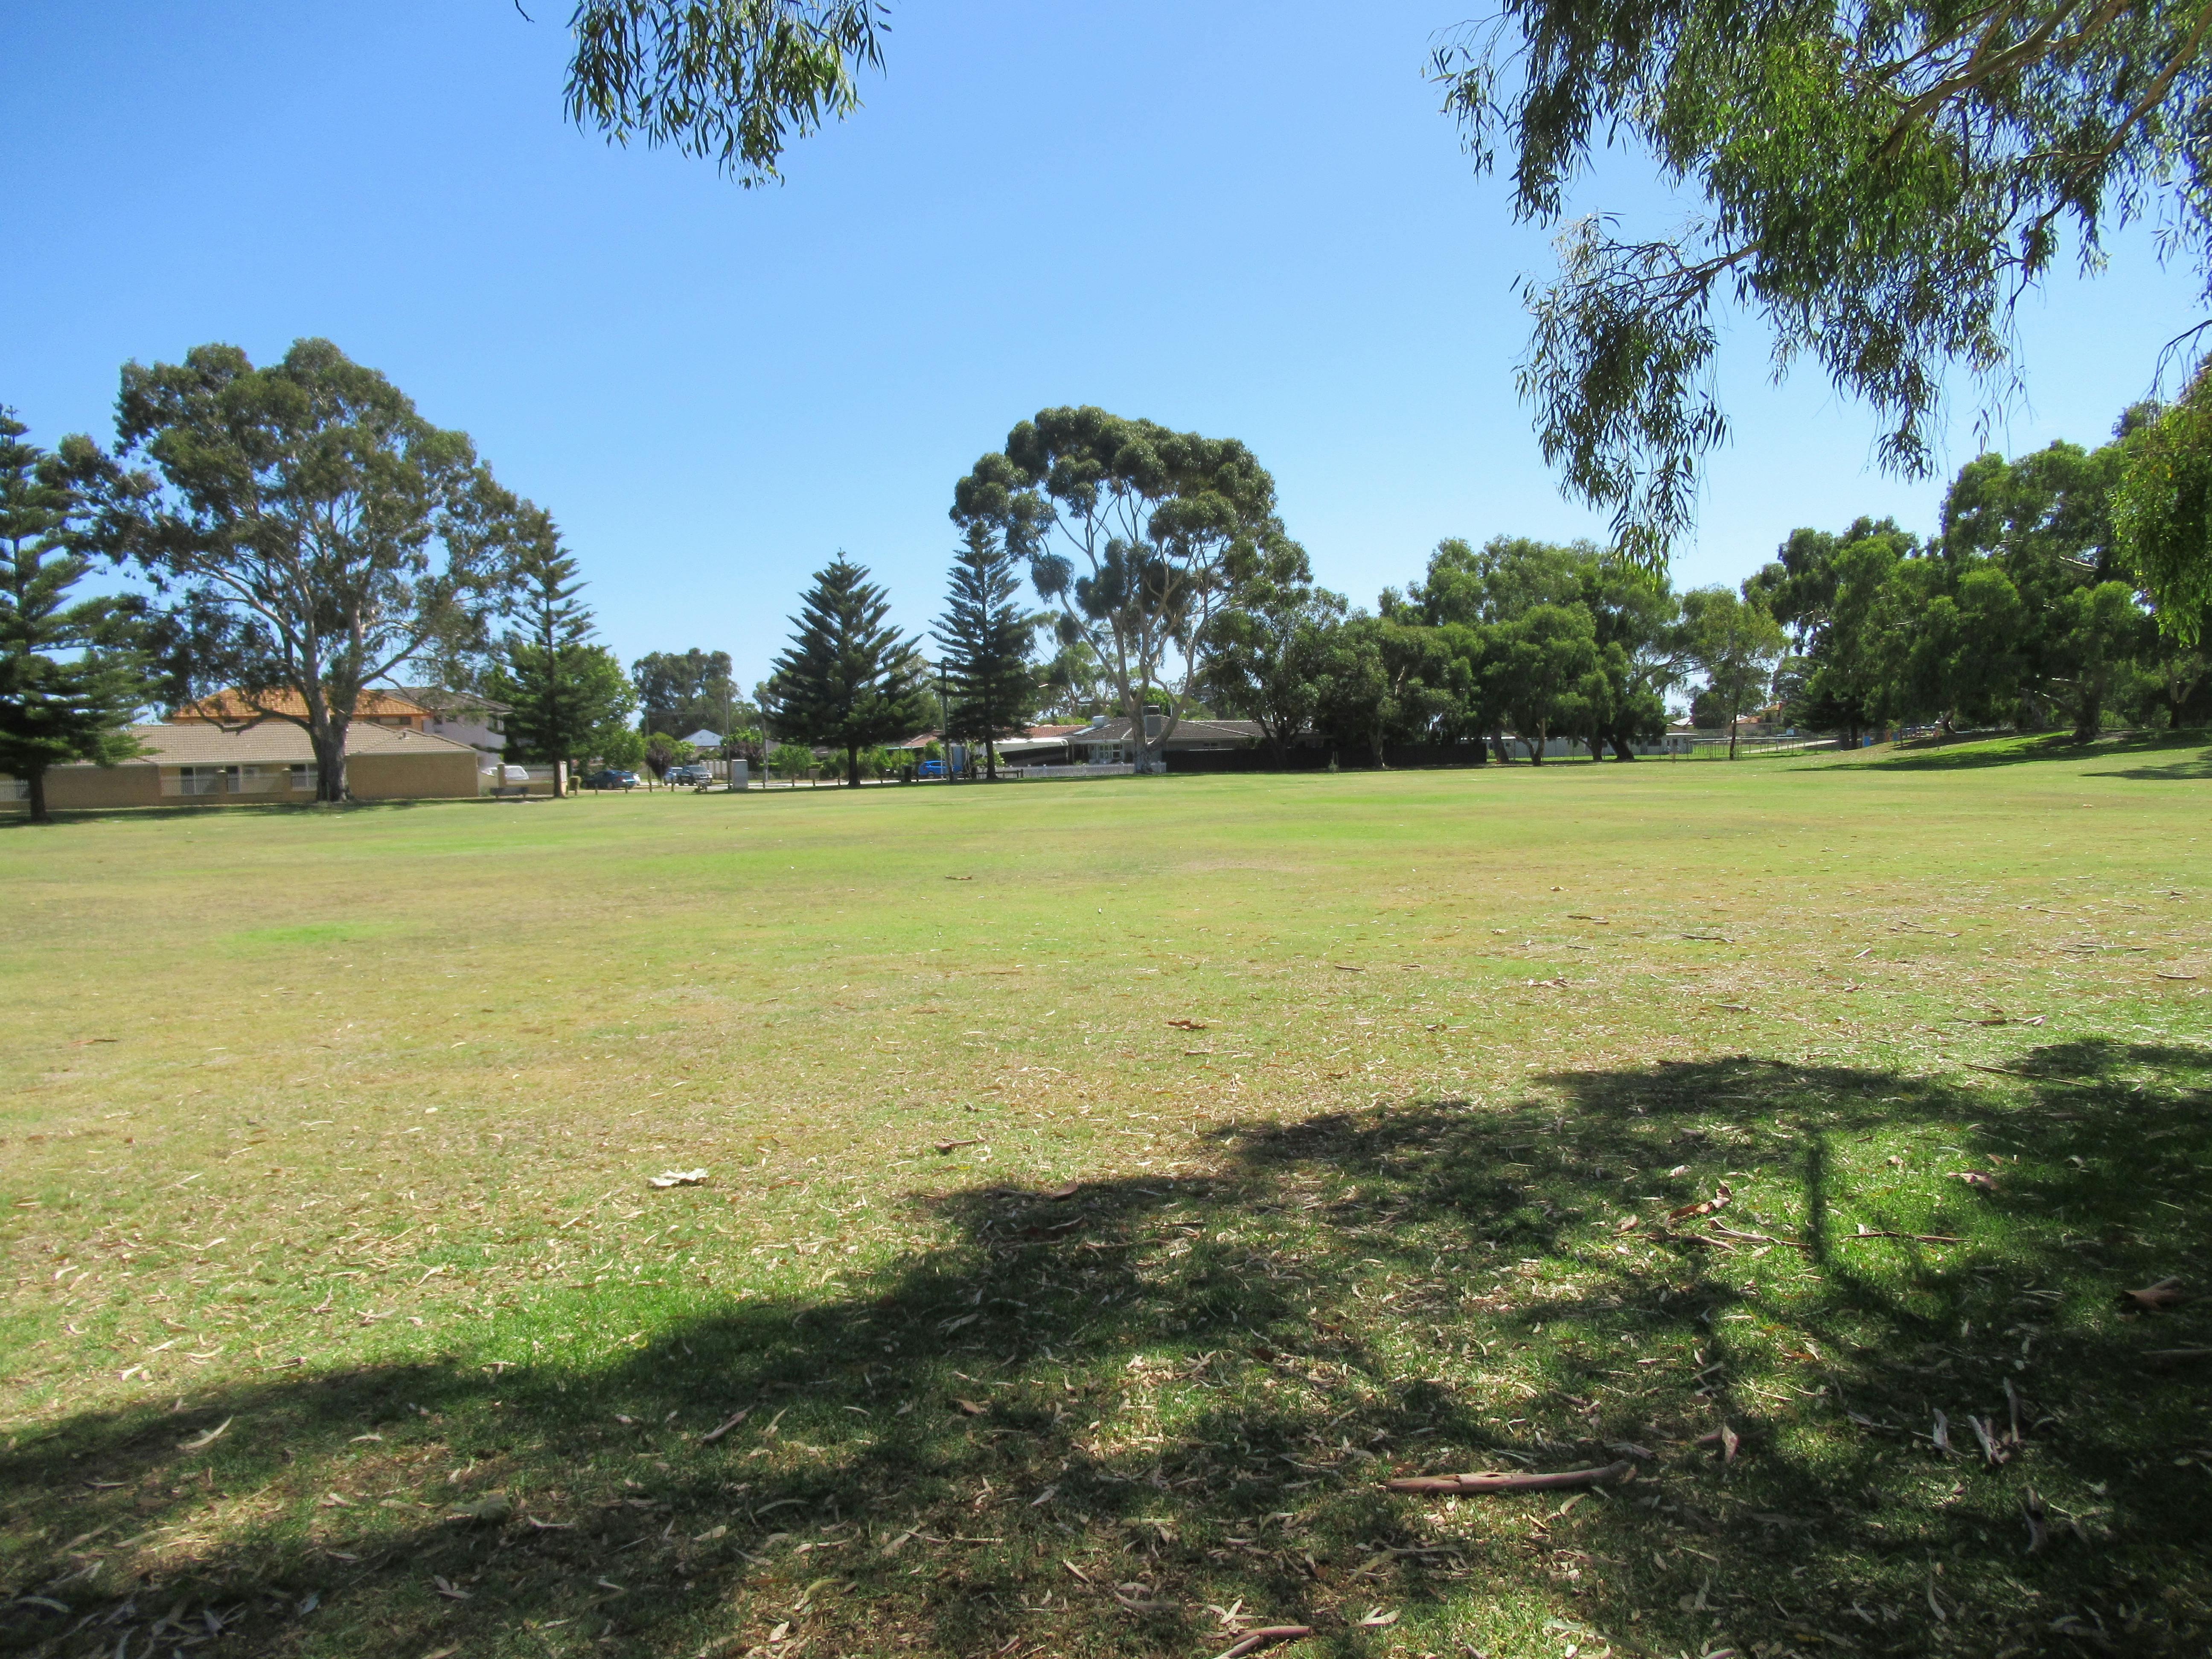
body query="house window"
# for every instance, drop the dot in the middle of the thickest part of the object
(306, 777)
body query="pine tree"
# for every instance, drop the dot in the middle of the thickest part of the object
(563, 690)
(849, 680)
(52, 713)
(987, 641)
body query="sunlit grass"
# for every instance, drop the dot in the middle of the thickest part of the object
(1373, 1093)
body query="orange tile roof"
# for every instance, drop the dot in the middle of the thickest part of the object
(232, 707)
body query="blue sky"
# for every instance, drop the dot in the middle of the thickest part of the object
(1243, 218)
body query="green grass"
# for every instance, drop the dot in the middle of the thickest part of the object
(332, 1130)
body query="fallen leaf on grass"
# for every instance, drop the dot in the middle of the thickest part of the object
(1187, 1024)
(1348, 968)
(1976, 1179)
(1377, 1618)
(549, 1526)
(955, 1146)
(678, 1178)
(451, 1591)
(2167, 1293)
(968, 1408)
(492, 1507)
(714, 1434)
(1721, 1195)
(331, 1500)
(202, 1442)
(1066, 1189)
(1253, 1639)
(2162, 974)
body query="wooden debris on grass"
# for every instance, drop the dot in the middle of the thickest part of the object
(1866, 1232)
(678, 1178)
(955, 1146)
(1514, 1481)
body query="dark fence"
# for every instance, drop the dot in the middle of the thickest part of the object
(1262, 759)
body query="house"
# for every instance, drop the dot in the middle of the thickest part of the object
(199, 761)
(702, 739)
(463, 716)
(1107, 738)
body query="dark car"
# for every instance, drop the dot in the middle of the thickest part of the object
(611, 777)
(692, 773)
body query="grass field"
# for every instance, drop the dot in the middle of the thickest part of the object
(1111, 1184)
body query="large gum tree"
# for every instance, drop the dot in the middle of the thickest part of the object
(322, 531)
(1136, 533)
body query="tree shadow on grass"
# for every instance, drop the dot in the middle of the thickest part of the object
(2061, 746)
(1129, 1420)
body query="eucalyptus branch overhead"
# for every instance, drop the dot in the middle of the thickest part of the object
(1879, 186)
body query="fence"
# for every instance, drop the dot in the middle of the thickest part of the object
(1093, 769)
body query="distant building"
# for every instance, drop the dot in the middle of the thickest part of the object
(200, 763)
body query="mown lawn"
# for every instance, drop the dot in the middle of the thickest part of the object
(1109, 1185)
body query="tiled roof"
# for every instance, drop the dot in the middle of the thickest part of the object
(199, 743)
(232, 707)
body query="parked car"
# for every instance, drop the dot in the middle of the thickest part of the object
(611, 777)
(930, 769)
(690, 773)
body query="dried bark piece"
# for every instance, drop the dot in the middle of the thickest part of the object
(1513, 1482)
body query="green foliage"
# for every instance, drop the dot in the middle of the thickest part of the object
(987, 639)
(1735, 643)
(848, 681)
(617, 744)
(1267, 649)
(562, 690)
(320, 531)
(2163, 510)
(735, 81)
(687, 692)
(70, 706)
(793, 760)
(1136, 532)
(1878, 185)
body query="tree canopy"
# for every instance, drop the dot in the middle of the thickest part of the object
(732, 81)
(686, 691)
(849, 680)
(563, 692)
(70, 674)
(319, 529)
(1877, 185)
(987, 639)
(1135, 532)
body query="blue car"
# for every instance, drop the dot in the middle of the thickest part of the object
(930, 769)
(611, 777)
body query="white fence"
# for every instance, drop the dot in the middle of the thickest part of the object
(1092, 769)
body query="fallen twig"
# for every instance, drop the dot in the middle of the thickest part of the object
(1260, 1639)
(955, 1146)
(713, 1434)
(1760, 1238)
(1917, 1238)
(2179, 1353)
(1497, 1482)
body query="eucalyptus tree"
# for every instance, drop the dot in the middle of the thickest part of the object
(1268, 646)
(319, 529)
(1135, 532)
(1736, 642)
(1878, 185)
(71, 672)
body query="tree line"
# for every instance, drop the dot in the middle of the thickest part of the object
(303, 534)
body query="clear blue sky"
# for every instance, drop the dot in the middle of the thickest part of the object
(1245, 217)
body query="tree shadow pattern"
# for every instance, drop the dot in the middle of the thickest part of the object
(1139, 1417)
